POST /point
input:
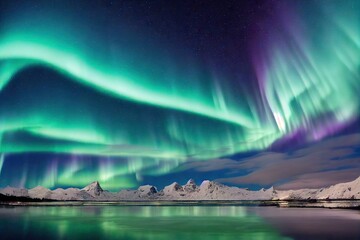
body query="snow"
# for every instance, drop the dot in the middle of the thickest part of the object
(208, 190)
(349, 190)
(190, 186)
(173, 191)
(147, 190)
(70, 194)
(40, 193)
(93, 189)
(16, 192)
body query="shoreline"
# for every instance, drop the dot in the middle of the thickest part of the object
(330, 204)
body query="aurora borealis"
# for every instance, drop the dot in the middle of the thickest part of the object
(117, 92)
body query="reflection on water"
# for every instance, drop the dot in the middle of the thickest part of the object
(158, 222)
(313, 223)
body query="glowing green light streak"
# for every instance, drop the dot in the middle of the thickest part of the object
(2, 159)
(112, 84)
(70, 135)
(307, 79)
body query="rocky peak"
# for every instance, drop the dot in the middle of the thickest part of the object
(191, 182)
(190, 186)
(208, 187)
(147, 190)
(39, 192)
(93, 189)
(206, 184)
(174, 187)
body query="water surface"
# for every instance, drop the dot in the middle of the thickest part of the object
(176, 222)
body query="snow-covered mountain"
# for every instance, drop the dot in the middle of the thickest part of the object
(39, 192)
(349, 190)
(208, 190)
(16, 192)
(93, 189)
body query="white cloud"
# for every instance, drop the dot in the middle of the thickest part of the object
(320, 164)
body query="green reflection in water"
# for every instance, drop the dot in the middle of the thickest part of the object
(134, 222)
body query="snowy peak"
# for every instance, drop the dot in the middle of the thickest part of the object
(271, 190)
(348, 190)
(357, 181)
(206, 184)
(39, 192)
(174, 187)
(191, 182)
(190, 186)
(94, 189)
(208, 190)
(17, 192)
(173, 191)
(147, 190)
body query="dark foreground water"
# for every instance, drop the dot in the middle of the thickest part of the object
(176, 222)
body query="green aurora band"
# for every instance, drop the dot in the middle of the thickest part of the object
(60, 96)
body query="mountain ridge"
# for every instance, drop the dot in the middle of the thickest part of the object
(207, 190)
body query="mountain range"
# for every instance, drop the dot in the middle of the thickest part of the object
(207, 190)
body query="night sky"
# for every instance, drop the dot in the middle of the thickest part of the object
(247, 93)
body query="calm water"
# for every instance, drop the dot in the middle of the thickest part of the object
(176, 222)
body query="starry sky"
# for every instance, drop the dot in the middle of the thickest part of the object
(247, 93)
